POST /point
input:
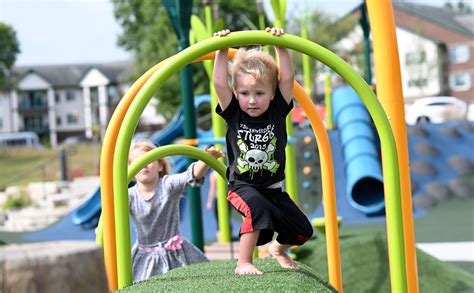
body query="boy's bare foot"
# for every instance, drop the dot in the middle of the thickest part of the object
(247, 269)
(278, 251)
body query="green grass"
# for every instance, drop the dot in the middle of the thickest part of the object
(21, 166)
(364, 259)
(219, 276)
(365, 268)
(465, 265)
(449, 221)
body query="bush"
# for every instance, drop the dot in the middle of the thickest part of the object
(17, 201)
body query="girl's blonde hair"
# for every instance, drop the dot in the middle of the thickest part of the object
(257, 63)
(146, 146)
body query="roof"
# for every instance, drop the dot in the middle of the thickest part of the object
(462, 24)
(467, 21)
(70, 75)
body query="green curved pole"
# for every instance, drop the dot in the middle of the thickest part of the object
(389, 160)
(175, 150)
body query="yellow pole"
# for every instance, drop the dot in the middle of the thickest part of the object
(389, 91)
(328, 101)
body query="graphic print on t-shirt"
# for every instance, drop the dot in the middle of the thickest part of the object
(257, 154)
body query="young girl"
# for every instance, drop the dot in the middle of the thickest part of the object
(154, 207)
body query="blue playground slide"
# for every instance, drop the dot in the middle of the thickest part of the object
(87, 214)
(360, 150)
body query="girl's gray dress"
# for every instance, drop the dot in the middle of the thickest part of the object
(157, 249)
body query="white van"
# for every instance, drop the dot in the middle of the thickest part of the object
(20, 139)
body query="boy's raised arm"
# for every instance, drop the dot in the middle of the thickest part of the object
(287, 74)
(223, 90)
(286, 67)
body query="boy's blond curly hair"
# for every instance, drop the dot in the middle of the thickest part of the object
(146, 146)
(255, 62)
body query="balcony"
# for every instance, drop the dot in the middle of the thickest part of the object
(29, 108)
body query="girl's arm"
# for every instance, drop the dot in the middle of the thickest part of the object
(286, 67)
(200, 168)
(212, 190)
(223, 90)
(175, 184)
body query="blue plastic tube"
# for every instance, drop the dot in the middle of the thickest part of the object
(361, 153)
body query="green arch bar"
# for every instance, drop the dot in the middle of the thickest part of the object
(389, 160)
(175, 150)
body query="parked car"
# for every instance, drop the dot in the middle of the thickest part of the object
(435, 110)
(470, 112)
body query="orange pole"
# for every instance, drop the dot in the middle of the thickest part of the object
(329, 189)
(106, 172)
(389, 91)
(106, 187)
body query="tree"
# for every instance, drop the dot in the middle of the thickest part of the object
(147, 32)
(9, 48)
(323, 29)
(420, 67)
(460, 7)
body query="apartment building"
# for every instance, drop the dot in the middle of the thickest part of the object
(60, 101)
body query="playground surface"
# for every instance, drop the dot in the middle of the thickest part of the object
(364, 258)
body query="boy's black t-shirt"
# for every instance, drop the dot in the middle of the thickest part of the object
(256, 145)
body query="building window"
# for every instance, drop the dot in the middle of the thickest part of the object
(459, 54)
(57, 97)
(70, 95)
(1, 122)
(32, 99)
(412, 58)
(34, 123)
(72, 118)
(58, 120)
(460, 81)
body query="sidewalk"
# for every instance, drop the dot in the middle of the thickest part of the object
(450, 251)
(222, 251)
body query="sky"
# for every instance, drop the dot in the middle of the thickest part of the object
(85, 31)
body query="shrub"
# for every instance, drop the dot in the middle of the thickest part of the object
(17, 201)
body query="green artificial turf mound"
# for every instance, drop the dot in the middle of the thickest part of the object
(364, 260)
(218, 276)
